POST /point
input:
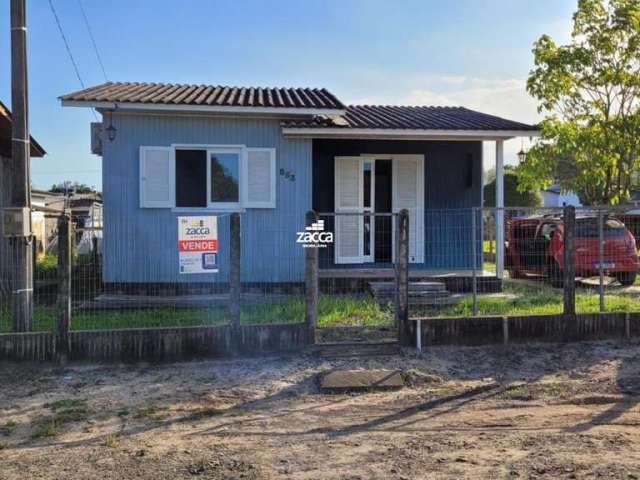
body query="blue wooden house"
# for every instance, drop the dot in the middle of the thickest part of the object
(172, 150)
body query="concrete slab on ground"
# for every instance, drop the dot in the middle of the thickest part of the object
(357, 380)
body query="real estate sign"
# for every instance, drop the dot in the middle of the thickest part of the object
(198, 244)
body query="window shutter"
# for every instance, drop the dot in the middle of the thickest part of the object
(157, 179)
(260, 178)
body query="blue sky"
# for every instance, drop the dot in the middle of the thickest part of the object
(428, 52)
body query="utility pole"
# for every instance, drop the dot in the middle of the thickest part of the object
(22, 294)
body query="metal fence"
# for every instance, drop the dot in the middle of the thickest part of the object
(129, 276)
(529, 267)
(357, 279)
(459, 264)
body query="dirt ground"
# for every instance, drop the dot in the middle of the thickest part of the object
(537, 411)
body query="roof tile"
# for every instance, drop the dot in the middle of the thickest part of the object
(162, 93)
(411, 118)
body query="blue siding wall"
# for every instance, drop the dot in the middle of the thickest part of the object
(140, 244)
(453, 185)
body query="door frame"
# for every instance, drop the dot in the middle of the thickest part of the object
(418, 255)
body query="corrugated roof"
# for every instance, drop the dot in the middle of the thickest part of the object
(207, 95)
(418, 118)
(5, 135)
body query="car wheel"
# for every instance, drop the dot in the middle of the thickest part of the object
(625, 278)
(555, 275)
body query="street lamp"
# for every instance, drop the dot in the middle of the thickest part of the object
(522, 155)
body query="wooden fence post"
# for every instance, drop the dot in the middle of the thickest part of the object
(65, 255)
(234, 274)
(474, 259)
(402, 277)
(569, 216)
(569, 280)
(311, 255)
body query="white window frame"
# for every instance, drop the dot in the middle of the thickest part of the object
(242, 160)
(243, 202)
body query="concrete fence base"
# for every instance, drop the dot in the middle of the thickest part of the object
(530, 328)
(156, 344)
(184, 343)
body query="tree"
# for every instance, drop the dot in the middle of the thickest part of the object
(513, 196)
(589, 91)
(71, 187)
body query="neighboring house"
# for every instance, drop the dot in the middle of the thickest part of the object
(44, 226)
(86, 215)
(86, 212)
(554, 197)
(6, 187)
(274, 154)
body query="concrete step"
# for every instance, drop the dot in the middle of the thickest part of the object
(413, 287)
(420, 293)
(338, 381)
(356, 349)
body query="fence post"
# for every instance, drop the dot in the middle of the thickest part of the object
(402, 277)
(65, 255)
(234, 274)
(569, 283)
(601, 259)
(474, 259)
(311, 283)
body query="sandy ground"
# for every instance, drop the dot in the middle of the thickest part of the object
(540, 411)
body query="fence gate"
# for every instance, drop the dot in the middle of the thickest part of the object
(352, 301)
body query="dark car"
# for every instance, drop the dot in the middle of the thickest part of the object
(535, 245)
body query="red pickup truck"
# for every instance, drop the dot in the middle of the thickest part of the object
(535, 246)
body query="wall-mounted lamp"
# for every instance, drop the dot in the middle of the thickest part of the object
(111, 130)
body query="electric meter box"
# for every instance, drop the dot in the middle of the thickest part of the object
(16, 222)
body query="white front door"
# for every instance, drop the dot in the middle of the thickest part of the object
(354, 197)
(408, 193)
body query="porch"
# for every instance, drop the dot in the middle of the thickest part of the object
(359, 186)
(374, 161)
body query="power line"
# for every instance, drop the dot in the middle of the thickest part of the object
(66, 44)
(93, 41)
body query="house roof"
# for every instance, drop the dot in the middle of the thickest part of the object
(169, 94)
(5, 135)
(554, 188)
(411, 118)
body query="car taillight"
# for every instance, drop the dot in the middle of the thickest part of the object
(631, 242)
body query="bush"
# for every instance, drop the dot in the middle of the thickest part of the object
(46, 266)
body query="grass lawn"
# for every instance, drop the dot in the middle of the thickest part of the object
(332, 311)
(529, 298)
(522, 298)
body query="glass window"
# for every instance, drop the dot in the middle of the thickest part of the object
(225, 177)
(547, 230)
(191, 178)
(588, 228)
(367, 185)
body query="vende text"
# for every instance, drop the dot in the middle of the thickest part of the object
(198, 245)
